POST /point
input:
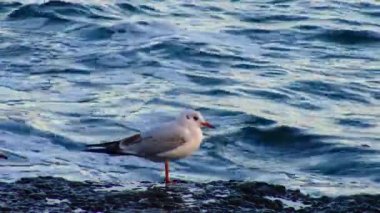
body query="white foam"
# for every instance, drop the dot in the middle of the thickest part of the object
(297, 205)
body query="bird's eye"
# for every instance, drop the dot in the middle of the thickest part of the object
(196, 118)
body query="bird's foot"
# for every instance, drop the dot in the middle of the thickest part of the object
(171, 182)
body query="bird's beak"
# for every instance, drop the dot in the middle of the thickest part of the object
(207, 124)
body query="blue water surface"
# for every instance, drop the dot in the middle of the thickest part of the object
(292, 86)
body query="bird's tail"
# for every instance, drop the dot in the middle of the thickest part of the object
(113, 147)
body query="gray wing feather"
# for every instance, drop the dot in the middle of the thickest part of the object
(158, 141)
(154, 146)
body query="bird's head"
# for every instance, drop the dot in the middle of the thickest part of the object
(192, 117)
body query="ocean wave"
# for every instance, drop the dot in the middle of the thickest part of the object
(345, 165)
(358, 123)
(22, 129)
(58, 11)
(328, 90)
(258, 18)
(345, 36)
(282, 136)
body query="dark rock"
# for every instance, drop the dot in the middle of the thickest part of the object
(59, 195)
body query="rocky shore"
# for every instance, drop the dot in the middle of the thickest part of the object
(50, 194)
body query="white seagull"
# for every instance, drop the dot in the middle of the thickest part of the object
(170, 141)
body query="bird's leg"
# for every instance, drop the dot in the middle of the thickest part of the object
(167, 178)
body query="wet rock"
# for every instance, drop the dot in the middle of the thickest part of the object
(51, 194)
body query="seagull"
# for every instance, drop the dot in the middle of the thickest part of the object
(170, 141)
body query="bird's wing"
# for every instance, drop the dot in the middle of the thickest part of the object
(159, 140)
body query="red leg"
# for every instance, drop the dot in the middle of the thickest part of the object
(167, 178)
